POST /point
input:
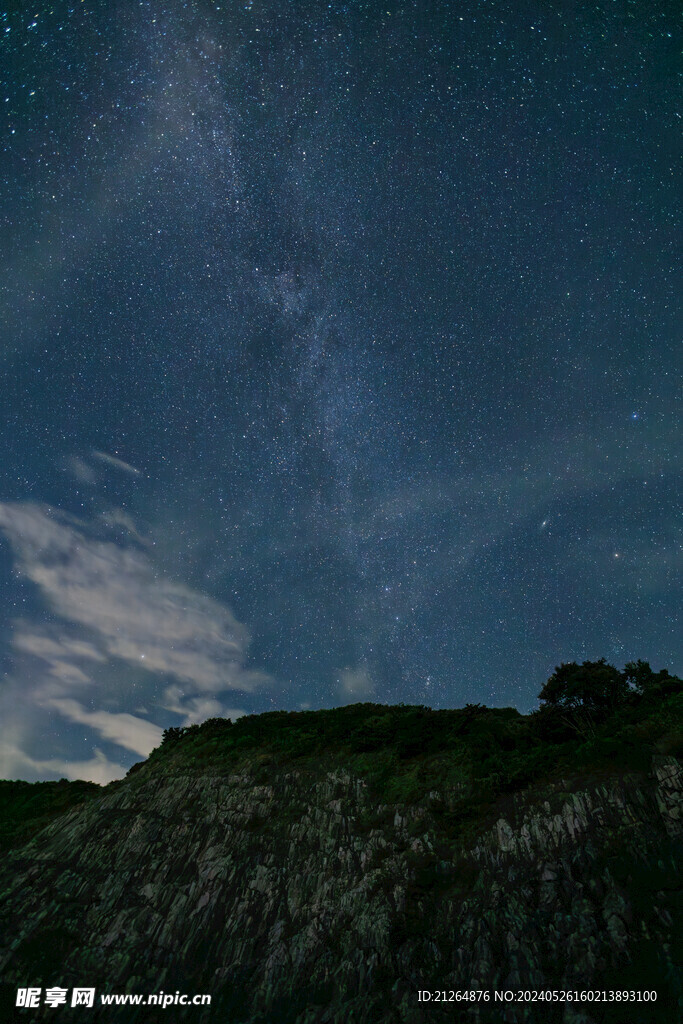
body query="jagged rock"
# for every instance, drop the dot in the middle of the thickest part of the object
(278, 902)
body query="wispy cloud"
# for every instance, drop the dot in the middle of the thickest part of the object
(61, 657)
(111, 607)
(125, 730)
(113, 460)
(197, 709)
(15, 763)
(133, 611)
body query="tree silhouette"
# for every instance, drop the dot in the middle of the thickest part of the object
(585, 694)
(646, 683)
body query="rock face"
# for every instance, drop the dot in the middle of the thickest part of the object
(305, 901)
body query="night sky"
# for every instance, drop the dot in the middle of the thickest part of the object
(338, 359)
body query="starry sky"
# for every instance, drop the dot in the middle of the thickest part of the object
(338, 359)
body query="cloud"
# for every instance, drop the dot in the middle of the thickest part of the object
(89, 469)
(133, 612)
(116, 519)
(197, 709)
(356, 682)
(44, 646)
(125, 730)
(15, 763)
(112, 460)
(79, 469)
(58, 653)
(120, 630)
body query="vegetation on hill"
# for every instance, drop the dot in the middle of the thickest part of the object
(592, 718)
(25, 807)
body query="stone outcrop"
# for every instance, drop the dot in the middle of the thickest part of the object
(304, 900)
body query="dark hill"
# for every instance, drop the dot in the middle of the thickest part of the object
(330, 865)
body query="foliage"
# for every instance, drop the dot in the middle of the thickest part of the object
(591, 717)
(594, 686)
(646, 683)
(580, 696)
(26, 807)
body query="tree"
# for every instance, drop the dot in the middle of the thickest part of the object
(585, 694)
(173, 735)
(646, 683)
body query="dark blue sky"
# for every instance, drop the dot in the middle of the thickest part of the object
(337, 346)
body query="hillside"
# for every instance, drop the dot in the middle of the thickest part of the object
(328, 865)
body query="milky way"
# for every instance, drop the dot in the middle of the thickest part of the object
(338, 359)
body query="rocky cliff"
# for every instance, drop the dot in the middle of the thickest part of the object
(292, 891)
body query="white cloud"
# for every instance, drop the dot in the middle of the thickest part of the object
(134, 612)
(14, 763)
(111, 605)
(197, 709)
(53, 649)
(58, 652)
(117, 463)
(125, 730)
